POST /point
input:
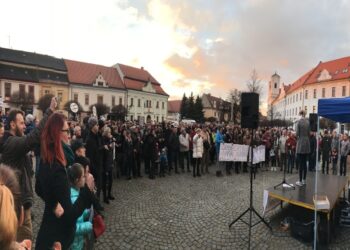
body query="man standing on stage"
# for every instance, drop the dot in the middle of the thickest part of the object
(303, 146)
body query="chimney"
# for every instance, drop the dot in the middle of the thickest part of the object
(142, 68)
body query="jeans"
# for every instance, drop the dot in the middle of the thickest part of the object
(325, 164)
(173, 159)
(291, 160)
(343, 165)
(196, 166)
(183, 156)
(302, 166)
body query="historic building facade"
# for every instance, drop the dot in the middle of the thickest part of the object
(26, 76)
(30, 74)
(216, 108)
(146, 100)
(91, 84)
(326, 80)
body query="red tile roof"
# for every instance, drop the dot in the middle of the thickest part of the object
(86, 73)
(338, 69)
(135, 78)
(174, 106)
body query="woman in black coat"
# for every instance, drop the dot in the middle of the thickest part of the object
(53, 187)
(108, 152)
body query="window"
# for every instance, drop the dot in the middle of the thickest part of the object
(150, 104)
(157, 119)
(86, 99)
(162, 118)
(305, 109)
(301, 94)
(343, 91)
(162, 105)
(31, 92)
(306, 92)
(275, 85)
(315, 93)
(138, 117)
(157, 106)
(323, 92)
(46, 92)
(131, 117)
(100, 99)
(293, 98)
(120, 101)
(296, 97)
(333, 91)
(113, 101)
(7, 89)
(131, 102)
(75, 97)
(22, 90)
(313, 109)
(214, 114)
(100, 84)
(139, 103)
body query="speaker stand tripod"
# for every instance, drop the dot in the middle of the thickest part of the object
(251, 208)
(284, 182)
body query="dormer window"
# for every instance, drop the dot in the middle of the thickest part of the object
(100, 81)
(345, 70)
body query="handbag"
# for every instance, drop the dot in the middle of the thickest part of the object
(98, 225)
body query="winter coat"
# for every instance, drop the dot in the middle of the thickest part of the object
(150, 147)
(197, 146)
(53, 187)
(14, 153)
(303, 133)
(94, 152)
(83, 227)
(184, 142)
(173, 142)
(107, 155)
(326, 146)
(344, 148)
(218, 140)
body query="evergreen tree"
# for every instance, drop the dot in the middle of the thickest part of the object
(199, 113)
(191, 109)
(184, 107)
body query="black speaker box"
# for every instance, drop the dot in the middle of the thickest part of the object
(250, 110)
(313, 122)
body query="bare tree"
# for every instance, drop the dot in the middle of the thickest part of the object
(254, 83)
(272, 114)
(234, 98)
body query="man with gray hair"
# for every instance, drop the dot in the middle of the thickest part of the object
(303, 146)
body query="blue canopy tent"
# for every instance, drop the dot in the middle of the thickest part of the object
(335, 109)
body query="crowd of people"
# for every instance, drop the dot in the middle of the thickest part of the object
(75, 165)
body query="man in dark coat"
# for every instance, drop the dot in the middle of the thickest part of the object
(326, 144)
(313, 147)
(94, 149)
(173, 148)
(303, 146)
(14, 148)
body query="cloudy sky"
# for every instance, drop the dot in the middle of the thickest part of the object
(204, 46)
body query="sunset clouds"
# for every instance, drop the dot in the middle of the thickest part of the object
(200, 46)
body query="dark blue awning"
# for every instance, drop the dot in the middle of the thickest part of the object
(336, 109)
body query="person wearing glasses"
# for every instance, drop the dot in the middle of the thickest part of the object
(14, 148)
(53, 187)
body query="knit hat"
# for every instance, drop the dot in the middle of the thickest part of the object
(92, 122)
(29, 118)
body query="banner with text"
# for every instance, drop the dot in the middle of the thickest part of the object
(239, 153)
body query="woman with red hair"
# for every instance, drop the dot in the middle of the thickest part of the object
(53, 186)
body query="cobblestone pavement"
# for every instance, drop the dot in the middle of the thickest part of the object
(182, 212)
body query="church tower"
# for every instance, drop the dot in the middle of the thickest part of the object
(274, 88)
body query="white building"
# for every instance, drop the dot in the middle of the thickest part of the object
(146, 98)
(327, 80)
(92, 83)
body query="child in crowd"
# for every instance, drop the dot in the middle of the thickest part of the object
(334, 160)
(83, 227)
(163, 162)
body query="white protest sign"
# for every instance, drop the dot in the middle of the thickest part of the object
(240, 152)
(259, 154)
(226, 152)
